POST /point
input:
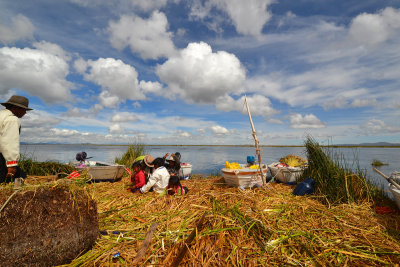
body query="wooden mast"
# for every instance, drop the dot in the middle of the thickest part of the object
(257, 145)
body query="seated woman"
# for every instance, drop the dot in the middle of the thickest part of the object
(173, 165)
(146, 165)
(137, 178)
(159, 178)
(174, 187)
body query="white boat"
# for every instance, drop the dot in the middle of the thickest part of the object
(395, 191)
(185, 171)
(244, 177)
(396, 194)
(285, 174)
(102, 171)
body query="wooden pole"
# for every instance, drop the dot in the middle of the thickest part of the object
(191, 237)
(146, 243)
(257, 145)
(390, 180)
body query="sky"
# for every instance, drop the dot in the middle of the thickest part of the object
(176, 72)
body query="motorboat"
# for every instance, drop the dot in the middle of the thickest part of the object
(244, 177)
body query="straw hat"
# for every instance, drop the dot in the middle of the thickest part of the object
(19, 101)
(171, 158)
(148, 160)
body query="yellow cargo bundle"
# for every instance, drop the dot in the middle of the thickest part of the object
(233, 165)
(254, 167)
(293, 161)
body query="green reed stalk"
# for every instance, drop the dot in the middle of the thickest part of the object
(134, 151)
(335, 178)
(33, 167)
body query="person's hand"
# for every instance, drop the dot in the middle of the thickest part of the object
(11, 171)
(166, 155)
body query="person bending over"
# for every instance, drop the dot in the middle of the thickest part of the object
(159, 178)
(173, 165)
(174, 187)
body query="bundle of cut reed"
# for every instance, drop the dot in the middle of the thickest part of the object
(45, 225)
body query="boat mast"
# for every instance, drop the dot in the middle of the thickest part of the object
(257, 145)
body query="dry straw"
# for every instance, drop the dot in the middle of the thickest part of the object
(267, 226)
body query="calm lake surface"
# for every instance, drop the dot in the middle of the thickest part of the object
(210, 159)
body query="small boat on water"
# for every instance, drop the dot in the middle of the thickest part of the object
(244, 177)
(102, 171)
(395, 178)
(185, 171)
(394, 184)
(396, 194)
(285, 174)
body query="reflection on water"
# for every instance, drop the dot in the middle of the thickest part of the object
(210, 159)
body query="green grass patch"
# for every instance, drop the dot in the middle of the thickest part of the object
(33, 167)
(378, 163)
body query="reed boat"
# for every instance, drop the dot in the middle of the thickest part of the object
(102, 171)
(244, 177)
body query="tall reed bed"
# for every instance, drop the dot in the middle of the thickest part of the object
(134, 151)
(33, 167)
(338, 181)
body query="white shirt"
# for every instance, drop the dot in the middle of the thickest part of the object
(158, 180)
(9, 137)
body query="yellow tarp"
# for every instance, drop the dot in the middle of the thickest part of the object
(232, 165)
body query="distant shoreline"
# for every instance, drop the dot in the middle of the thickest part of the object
(335, 146)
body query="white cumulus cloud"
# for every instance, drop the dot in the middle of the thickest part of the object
(108, 100)
(219, 130)
(53, 49)
(117, 79)
(372, 29)
(38, 72)
(307, 121)
(124, 117)
(199, 75)
(258, 104)
(116, 128)
(248, 17)
(151, 87)
(21, 28)
(376, 126)
(147, 37)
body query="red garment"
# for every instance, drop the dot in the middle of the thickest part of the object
(138, 179)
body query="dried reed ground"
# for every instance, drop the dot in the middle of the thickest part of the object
(267, 226)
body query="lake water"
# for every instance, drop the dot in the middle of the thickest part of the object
(210, 159)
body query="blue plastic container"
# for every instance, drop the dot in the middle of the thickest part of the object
(305, 187)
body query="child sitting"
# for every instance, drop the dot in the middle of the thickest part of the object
(174, 187)
(137, 177)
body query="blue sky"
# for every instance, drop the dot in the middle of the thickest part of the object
(176, 72)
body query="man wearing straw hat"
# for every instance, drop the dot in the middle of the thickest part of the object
(10, 128)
